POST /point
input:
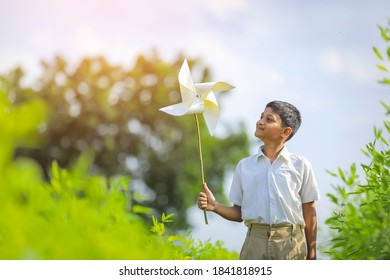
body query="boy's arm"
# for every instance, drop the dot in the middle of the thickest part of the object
(310, 217)
(206, 201)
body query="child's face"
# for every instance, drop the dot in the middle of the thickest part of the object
(269, 127)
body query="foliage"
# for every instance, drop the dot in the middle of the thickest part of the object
(385, 59)
(81, 216)
(76, 214)
(114, 111)
(186, 246)
(159, 228)
(360, 223)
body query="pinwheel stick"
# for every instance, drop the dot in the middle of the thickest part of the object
(201, 160)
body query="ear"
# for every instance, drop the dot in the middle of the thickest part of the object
(286, 132)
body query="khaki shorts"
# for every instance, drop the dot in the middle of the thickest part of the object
(274, 242)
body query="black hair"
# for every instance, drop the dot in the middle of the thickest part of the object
(289, 114)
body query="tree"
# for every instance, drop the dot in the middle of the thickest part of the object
(360, 222)
(113, 111)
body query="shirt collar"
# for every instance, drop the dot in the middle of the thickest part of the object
(284, 153)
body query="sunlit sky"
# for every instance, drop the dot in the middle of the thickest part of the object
(315, 54)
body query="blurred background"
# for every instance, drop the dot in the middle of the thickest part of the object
(101, 69)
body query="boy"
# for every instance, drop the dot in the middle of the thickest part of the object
(273, 192)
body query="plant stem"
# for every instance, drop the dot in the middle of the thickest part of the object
(201, 160)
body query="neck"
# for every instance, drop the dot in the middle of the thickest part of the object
(272, 151)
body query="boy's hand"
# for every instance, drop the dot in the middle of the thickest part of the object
(206, 199)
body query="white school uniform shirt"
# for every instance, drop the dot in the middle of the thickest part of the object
(273, 193)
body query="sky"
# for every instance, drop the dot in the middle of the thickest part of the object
(316, 55)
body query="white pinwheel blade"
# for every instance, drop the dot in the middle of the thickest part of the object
(188, 94)
(197, 107)
(205, 88)
(211, 108)
(187, 86)
(178, 109)
(221, 86)
(211, 115)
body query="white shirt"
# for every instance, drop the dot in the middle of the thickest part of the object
(273, 193)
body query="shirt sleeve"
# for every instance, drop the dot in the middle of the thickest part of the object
(235, 195)
(309, 191)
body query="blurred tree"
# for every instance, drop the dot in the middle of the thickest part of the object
(114, 111)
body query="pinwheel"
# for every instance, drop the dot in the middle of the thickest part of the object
(197, 99)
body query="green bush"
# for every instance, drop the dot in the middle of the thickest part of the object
(361, 220)
(76, 214)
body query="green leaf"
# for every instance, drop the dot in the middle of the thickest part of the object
(55, 170)
(353, 252)
(387, 107)
(388, 53)
(167, 218)
(382, 68)
(173, 238)
(333, 198)
(352, 209)
(331, 173)
(385, 81)
(121, 182)
(364, 152)
(139, 209)
(332, 220)
(384, 33)
(339, 244)
(378, 54)
(341, 174)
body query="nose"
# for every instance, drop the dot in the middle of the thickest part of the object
(260, 121)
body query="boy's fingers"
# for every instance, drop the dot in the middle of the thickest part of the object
(202, 201)
(205, 187)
